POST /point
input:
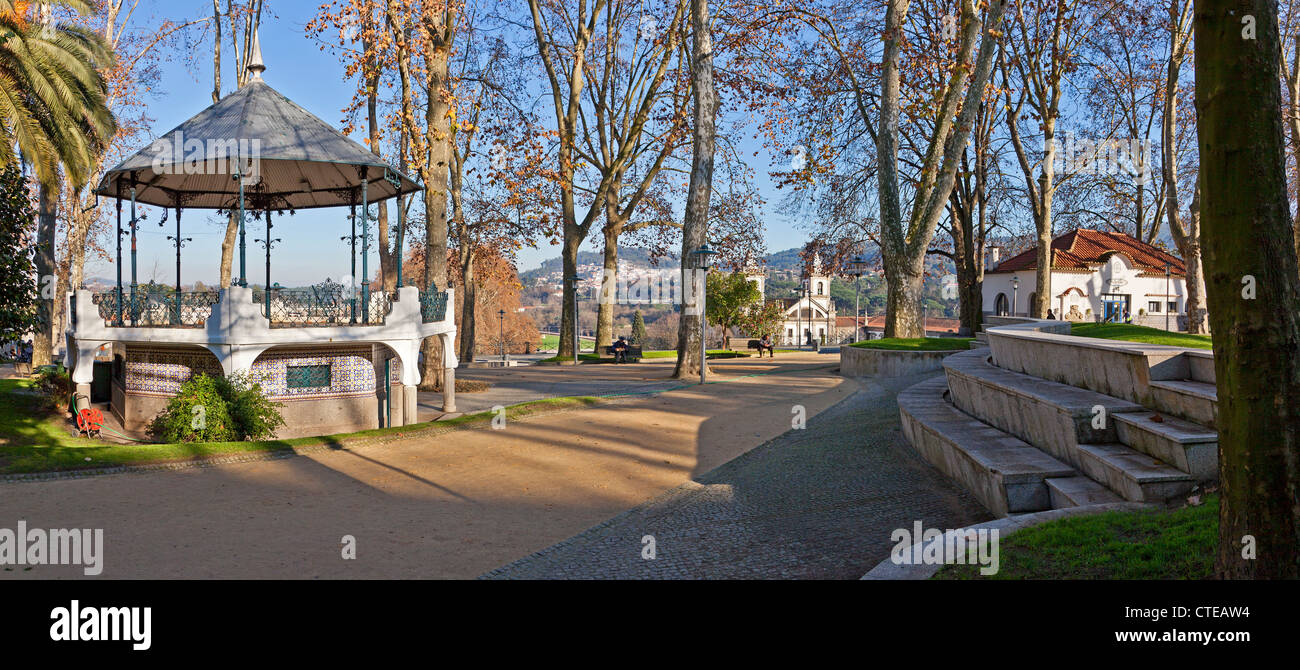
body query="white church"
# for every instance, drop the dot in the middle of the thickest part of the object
(809, 319)
(1096, 276)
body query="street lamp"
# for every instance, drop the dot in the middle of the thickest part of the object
(704, 260)
(859, 265)
(1015, 298)
(501, 315)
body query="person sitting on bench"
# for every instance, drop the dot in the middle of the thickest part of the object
(620, 350)
(766, 343)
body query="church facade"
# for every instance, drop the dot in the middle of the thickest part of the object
(810, 318)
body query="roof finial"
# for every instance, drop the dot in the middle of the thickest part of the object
(255, 65)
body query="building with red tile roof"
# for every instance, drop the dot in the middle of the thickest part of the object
(1095, 276)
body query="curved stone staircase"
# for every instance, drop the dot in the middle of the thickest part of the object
(1039, 419)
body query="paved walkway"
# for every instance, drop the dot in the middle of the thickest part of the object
(509, 386)
(453, 506)
(816, 503)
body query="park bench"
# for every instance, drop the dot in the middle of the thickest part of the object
(633, 352)
(754, 344)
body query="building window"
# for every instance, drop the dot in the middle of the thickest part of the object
(820, 289)
(1173, 306)
(1153, 307)
(307, 376)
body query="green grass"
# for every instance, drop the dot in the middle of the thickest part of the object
(917, 343)
(1132, 333)
(32, 440)
(1177, 544)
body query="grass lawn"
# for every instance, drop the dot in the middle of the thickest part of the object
(32, 440)
(1132, 333)
(917, 343)
(1177, 544)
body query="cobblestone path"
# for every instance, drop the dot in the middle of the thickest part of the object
(814, 503)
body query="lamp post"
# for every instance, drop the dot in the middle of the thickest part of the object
(858, 264)
(704, 256)
(1166, 297)
(1015, 297)
(501, 316)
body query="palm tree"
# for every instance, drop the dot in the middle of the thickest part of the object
(53, 110)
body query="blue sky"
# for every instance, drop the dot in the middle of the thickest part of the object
(311, 249)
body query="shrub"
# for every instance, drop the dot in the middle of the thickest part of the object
(54, 383)
(198, 413)
(255, 417)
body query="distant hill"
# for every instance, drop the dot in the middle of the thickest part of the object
(633, 256)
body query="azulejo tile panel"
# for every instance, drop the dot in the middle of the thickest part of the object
(160, 372)
(351, 373)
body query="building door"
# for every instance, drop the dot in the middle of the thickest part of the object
(1001, 306)
(1113, 306)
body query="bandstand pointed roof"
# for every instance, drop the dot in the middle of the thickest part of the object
(302, 161)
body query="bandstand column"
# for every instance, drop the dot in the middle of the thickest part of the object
(449, 390)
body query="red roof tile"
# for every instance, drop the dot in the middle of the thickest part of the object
(1082, 250)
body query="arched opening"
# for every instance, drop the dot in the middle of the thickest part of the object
(147, 377)
(323, 390)
(1001, 306)
(821, 288)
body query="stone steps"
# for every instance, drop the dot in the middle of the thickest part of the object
(1052, 416)
(1135, 476)
(1189, 447)
(1078, 492)
(1192, 400)
(1003, 472)
(1065, 421)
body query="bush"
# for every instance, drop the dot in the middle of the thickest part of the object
(217, 409)
(255, 417)
(54, 383)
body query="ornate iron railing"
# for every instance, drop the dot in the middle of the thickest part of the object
(156, 309)
(324, 305)
(433, 305)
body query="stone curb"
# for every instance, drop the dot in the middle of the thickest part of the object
(888, 570)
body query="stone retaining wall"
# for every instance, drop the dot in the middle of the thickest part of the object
(858, 362)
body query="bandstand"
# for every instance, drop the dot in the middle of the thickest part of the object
(339, 356)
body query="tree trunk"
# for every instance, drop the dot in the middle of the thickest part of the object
(1250, 262)
(468, 320)
(438, 132)
(605, 311)
(695, 227)
(228, 249)
(569, 262)
(46, 217)
(1042, 296)
(903, 300)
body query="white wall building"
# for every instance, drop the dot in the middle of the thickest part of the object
(811, 316)
(1095, 276)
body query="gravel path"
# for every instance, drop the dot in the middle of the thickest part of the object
(813, 503)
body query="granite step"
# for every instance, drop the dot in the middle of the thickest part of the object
(1078, 492)
(1135, 476)
(1002, 471)
(1192, 400)
(1049, 415)
(1190, 447)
